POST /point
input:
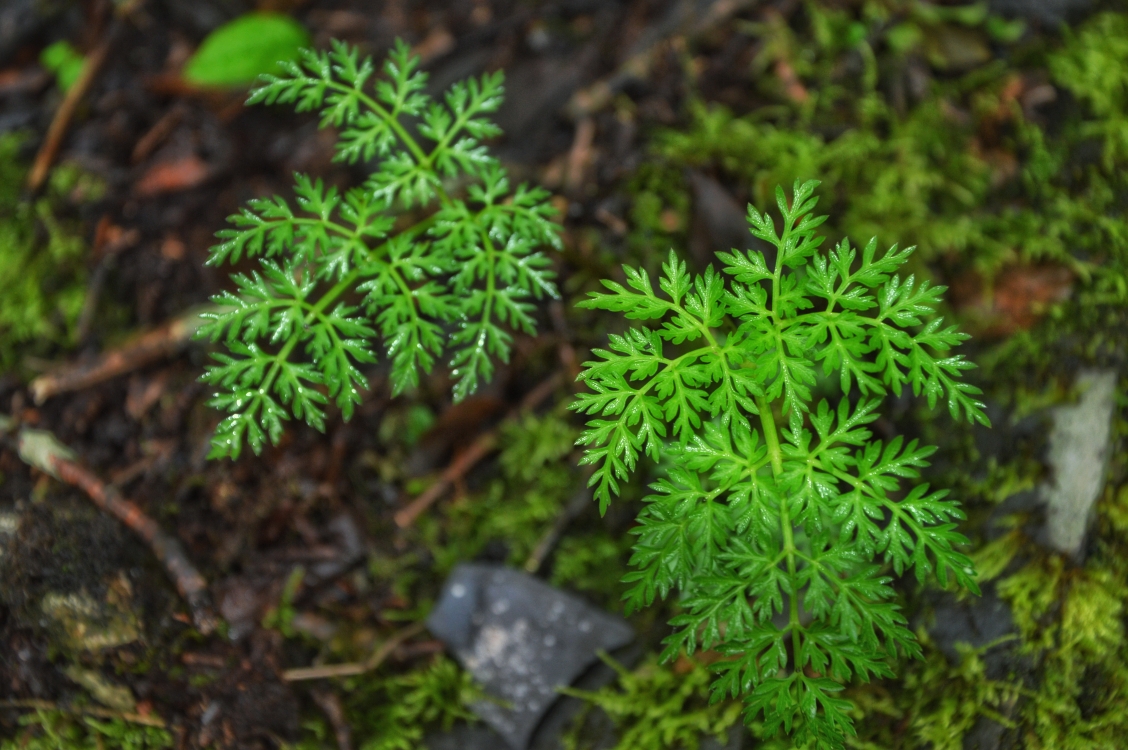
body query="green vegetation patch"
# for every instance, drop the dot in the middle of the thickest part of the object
(42, 278)
(992, 149)
(454, 285)
(46, 729)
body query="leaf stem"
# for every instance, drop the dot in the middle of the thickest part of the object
(771, 438)
(392, 120)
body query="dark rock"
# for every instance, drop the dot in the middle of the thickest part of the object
(598, 730)
(979, 622)
(976, 622)
(521, 639)
(20, 20)
(1044, 11)
(986, 734)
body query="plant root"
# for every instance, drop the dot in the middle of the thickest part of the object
(378, 657)
(149, 347)
(469, 458)
(42, 450)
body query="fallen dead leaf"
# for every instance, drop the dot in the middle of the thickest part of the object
(173, 176)
(1016, 299)
(173, 248)
(436, 44)
(22, 80)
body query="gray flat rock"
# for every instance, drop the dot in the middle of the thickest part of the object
(1079, 446)
(521, 639)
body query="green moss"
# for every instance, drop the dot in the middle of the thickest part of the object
(591, 562)
(1031, 593)
(948, 700)
(41, 275)
(660, 208)
(281, 616)
(60, 730)
(393, 713)
(982, 182)
(963, 172)
(659, 706)
(516, 509)
(1093, 65)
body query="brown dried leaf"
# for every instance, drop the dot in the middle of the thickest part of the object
(173, 176)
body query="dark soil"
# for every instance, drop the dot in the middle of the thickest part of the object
(245, 525)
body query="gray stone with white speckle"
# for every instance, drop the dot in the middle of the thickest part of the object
(1079, 446)
(521, 639)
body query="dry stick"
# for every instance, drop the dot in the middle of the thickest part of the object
(58, 129)
(98, 279)
(105, 713)
(469, 458)
(354, 668)
(161, 130)
(580, 155)
(577, 505)
(330, 704)
(43, 450)
(482, 446)
(150, 347)
(189, 582)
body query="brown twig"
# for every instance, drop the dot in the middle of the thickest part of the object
(577, 505)
(150, 347)
(161, 130)
(330, 704)
(59, 124)
(106, 255)
(482, 446)
(354, 668)
(147, 720)
(579, 157)
(43, 450)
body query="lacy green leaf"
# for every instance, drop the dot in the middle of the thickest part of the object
(779, 521)
(341, 279)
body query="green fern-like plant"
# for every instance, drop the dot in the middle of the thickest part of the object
(404, 257)
(779, 540)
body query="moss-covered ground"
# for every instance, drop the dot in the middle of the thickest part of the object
(999, 147)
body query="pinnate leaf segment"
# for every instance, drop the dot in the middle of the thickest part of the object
(337, 271)
(779, 520)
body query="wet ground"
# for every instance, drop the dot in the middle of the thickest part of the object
(587, 82)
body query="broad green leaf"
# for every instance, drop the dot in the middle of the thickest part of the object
(241, 50)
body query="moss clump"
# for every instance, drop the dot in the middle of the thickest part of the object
(42, 279)
(981, 168)
(992, 149)
(658, 705)
(60, 730)
(509, 517)
(395, 712)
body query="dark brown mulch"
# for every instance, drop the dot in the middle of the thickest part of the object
(176, 163)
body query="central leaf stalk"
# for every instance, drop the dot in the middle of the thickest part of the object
(771, 439)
